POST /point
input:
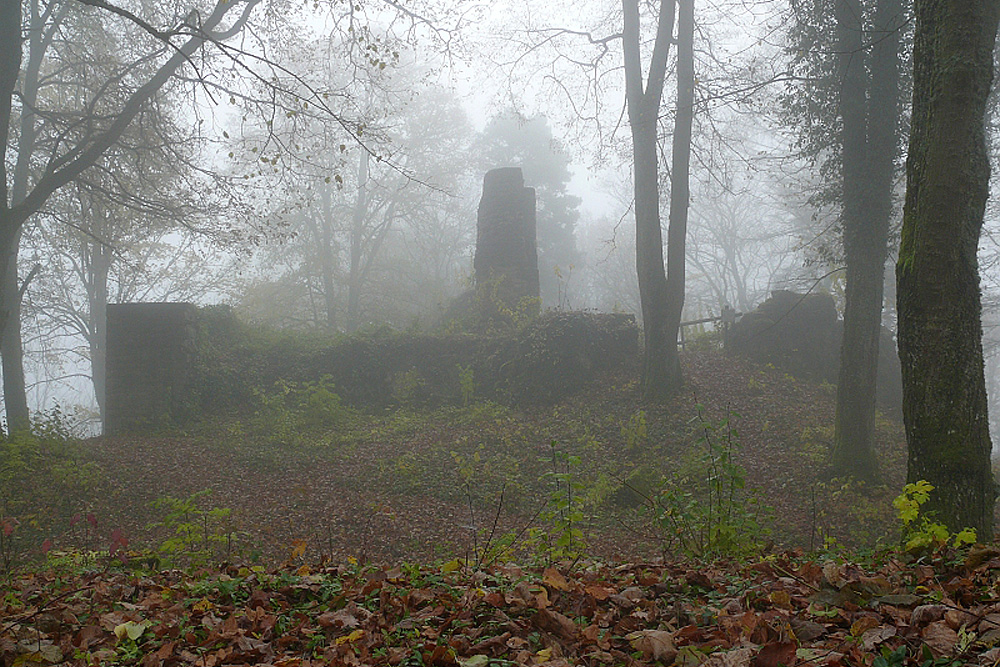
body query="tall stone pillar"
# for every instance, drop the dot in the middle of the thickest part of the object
(506, 261)
(150, 349)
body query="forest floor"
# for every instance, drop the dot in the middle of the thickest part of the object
(599, 531)
(419, 484)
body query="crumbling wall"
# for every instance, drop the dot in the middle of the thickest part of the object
(797, 332)
(150, 351)
(802, 334)
(170, 363)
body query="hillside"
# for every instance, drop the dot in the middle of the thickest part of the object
(483, 536)
(413, 484)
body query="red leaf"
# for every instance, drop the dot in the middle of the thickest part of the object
(92, 520)
(46, 546)
(775, 655)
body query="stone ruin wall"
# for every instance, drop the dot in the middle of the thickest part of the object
(153, 347)
(150, 351)
(802, 333)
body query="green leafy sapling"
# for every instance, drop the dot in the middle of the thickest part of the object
(920, 531)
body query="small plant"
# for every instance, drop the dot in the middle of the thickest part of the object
(197, 534)
(706, 510)
(565, 507)
(466, 384)
(921, 532)
(635, 432)
(42, 483)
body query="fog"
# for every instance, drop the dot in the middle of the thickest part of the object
(321, 169)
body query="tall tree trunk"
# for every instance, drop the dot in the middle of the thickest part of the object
(940, 333)
(325, 240)
(98, 339)
(15, 399)
(357, 245)
(869, 111)
(679, 187)
(15, 395)
(657, 374)
(660, 370)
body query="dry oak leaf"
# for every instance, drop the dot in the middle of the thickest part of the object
(956, 618)
(806, 630)
(940, 638)
(775, 654)
(553, 578)
(599, 592)
(875, 636)
(863, 625)
(556, 623)
(654, 644)
(927, 613)
(739, 657)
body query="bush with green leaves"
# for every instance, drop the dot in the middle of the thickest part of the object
(197, 533)
(291, 408)
(705, 508)
(44, 482)
(563, 537)
(921, 531)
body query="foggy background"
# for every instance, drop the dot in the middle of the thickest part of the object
(367, 220)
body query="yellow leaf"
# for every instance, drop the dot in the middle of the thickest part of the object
(203, 605)
(543, 656)
(298, 548)
(130, 629)
(451, 566)
(354, 636)
(554, 578)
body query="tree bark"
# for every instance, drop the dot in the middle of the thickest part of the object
(940, 333)
(869, 111)
(325, 242)
(97, 293)
(357, 245)
(679, 187)
(660, 366)
(15, 394)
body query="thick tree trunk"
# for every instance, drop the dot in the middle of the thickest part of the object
(98, 339)
(679, 187)
(15, 395)
(940, 334)
(869, 111)
(324, 238)
(660, 367)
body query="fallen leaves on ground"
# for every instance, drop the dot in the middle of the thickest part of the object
(781, 611)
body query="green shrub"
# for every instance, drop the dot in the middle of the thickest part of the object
(921, 531)
(44, 482)
(293, 409)
(705, 509)
(197, 533)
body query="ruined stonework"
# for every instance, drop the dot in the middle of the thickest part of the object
(506, 261)
(151, 347)
(802, 333)
(797, 332)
